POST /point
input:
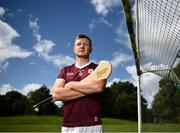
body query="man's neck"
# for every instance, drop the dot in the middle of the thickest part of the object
(82, 61)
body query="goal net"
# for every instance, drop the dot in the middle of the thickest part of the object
(157, 50)
(158, 47)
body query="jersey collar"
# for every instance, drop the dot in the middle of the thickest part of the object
(80, 67)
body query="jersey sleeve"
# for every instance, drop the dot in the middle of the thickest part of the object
(61, 74)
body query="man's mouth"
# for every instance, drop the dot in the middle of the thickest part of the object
(81, 50)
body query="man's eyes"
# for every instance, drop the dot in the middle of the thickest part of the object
(85, 44)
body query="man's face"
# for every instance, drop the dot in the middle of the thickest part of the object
(82, 48)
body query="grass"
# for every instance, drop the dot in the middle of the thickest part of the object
(119, 125)
(52, 124)
(30, 124)
(161, 127)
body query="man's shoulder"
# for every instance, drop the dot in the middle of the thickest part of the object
(68, 67)
(93, 64)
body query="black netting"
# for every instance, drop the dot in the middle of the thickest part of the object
(159, 34)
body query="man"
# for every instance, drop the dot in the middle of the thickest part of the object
(82, 100)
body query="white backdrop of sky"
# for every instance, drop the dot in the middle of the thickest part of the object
(36, 39)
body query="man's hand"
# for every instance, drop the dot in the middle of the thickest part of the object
(69, 85)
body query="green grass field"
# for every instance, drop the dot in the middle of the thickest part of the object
(52, 124)
(161, 128)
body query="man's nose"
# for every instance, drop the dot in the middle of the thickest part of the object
(82, 45)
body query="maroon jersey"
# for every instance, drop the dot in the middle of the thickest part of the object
(84, 111)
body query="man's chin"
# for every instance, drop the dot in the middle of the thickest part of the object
(83, 56)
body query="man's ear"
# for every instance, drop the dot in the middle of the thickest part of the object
(73, 48)
(91, 50)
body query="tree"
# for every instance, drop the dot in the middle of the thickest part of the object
(166, 107)
(120, 101)
(177, 70)
(13, 103)
(39, 95)
(5, 108)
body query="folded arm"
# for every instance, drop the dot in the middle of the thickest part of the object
(88, 86)
(60, 92)
(76, 89)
